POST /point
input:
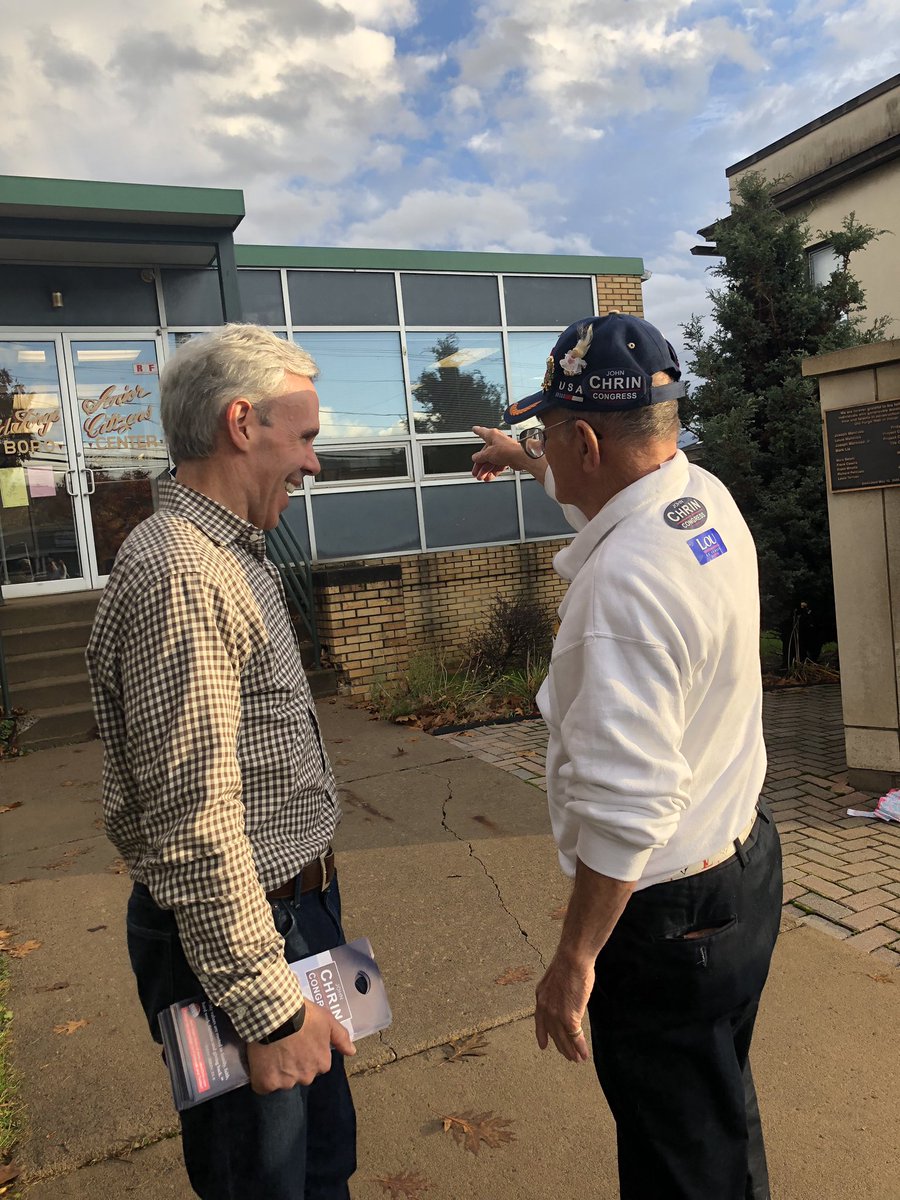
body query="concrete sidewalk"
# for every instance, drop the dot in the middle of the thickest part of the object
(446, 864)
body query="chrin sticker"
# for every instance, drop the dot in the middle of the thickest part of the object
(707, 546)
(685, 513)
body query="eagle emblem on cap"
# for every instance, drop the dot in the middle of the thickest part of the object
(548, 374)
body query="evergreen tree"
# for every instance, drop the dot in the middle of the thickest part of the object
(758, 417)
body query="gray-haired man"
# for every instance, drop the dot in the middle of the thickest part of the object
(654, 767)
(217, 789)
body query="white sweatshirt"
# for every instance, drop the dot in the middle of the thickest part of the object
(654, 698)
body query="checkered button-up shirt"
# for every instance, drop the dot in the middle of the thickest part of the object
(216, 786)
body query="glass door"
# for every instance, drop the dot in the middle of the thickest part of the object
(120, 443)
(41, 522)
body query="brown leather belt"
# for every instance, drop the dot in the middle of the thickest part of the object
(315, 876)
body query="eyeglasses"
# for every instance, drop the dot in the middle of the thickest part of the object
(534, 441)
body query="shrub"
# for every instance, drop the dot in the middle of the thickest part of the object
(518, 632)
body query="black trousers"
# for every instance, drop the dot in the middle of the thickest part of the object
(672, 1019)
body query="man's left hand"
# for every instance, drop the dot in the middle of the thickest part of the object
(562, 997)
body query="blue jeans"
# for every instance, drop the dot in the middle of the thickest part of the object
(298, 1144)
(672, 1019)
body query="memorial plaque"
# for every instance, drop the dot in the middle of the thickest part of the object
(863, 446)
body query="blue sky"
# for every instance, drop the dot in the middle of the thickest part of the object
(577, 127)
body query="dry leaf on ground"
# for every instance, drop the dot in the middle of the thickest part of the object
(65, 861)
(473, 1046)
(5, 936)
(23, 948)
(13, 882)
(559, 914)
(882, 977)
(117, 867)
(470, 1129)
(410, 1185)
(9, 1172)
(69, 1027)
(53, 987)
(9, 807)
(96, 928)
(514, 975)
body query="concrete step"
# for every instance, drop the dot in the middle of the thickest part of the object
(59, 726)
(45, 664)
(322, 681)
(48, 610)
(30, 639)
(59, 692)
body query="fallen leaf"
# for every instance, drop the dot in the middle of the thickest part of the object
(69, 1027)
(9, 807)
(559, 914)
(13, 882)
(470, 1129)
(514, 975)
(95, 928)
(411, 1185)
(22, 949)
(68, 783)
(65, 861)
(117, 867)
(399, 751)
(99, 823)
(404, 720)
(487, 823)
(9, 1173)
(883, 977)
(469, 1047)
(53, 987)
(5, 935)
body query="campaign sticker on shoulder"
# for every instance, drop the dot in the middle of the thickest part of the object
(685, 513)
(707, 546)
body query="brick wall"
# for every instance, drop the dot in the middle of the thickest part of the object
(620, 291)
(374, 616)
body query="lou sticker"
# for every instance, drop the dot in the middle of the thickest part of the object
(685, 513)
(707, 546)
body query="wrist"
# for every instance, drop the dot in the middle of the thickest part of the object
(292, 1025)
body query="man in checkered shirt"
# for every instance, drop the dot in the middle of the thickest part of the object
(217, 789)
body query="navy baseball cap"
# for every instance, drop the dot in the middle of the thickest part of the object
(604, 364)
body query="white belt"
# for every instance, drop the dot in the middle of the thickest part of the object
(712, 860)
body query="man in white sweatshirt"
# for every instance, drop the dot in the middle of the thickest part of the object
(654, 767)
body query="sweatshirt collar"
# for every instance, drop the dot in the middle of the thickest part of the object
(660, 486)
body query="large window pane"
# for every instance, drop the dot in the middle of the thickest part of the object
(528, 354)
(371, 522)
(342, 298)
(450, 300)
(294, 516)
(360, 383)
(37, 516)
(192, 297)
(540, 300)
(457, 380)
(261, 299)
(543, 516)
(364, 462)
(468, 515)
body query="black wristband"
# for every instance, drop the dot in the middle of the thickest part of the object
(293, 1025)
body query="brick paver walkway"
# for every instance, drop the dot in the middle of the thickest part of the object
(841, 874)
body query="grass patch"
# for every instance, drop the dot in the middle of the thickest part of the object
(436, 691)
(9, 1102)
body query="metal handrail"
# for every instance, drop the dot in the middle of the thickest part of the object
(4, 683)
(295, 568)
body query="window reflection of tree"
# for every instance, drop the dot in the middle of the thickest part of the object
(121, 500)
(453, 398)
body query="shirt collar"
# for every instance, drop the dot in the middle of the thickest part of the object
(659, 486)
(220, 524)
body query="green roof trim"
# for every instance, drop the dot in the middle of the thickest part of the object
(88, 199)
(346, 258)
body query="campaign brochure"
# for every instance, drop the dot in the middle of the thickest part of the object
(204, 1054)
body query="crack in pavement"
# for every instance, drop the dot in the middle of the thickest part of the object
(119, 1153)
(398, 770)
(481, 863)
(505, 1023)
